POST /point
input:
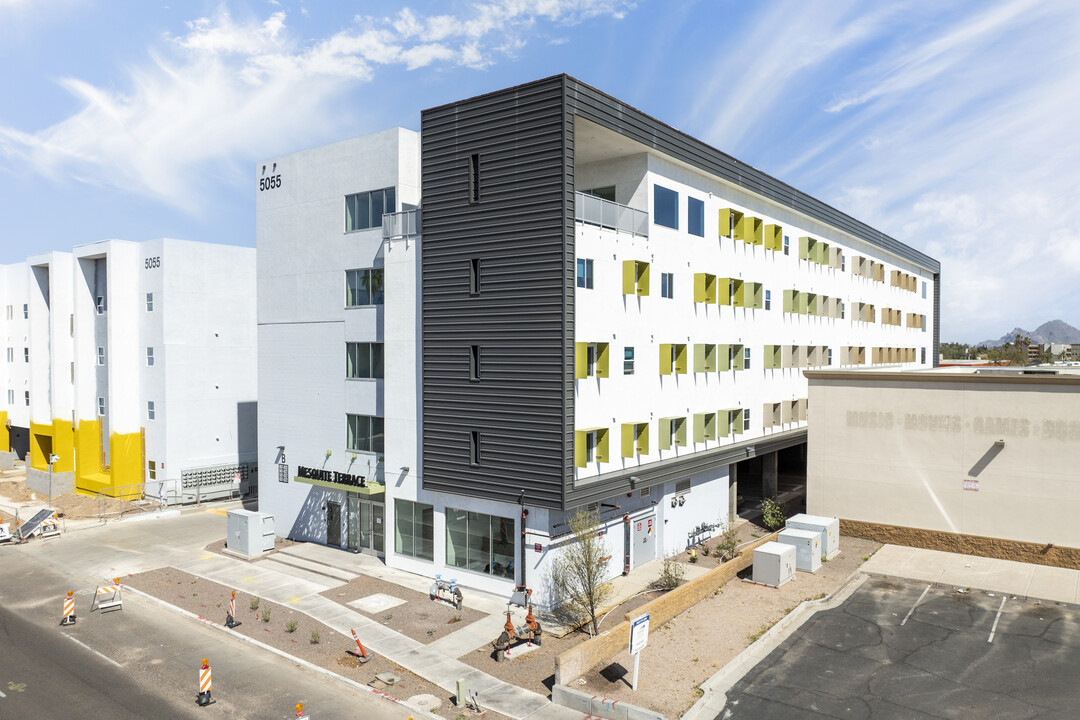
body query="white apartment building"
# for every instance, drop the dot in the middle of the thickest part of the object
(15, 331)
(141, 368)
(599, 312)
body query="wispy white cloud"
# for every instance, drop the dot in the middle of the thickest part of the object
(220, 94)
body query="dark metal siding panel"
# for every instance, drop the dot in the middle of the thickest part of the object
(937, 317)
(620, 117)
(679, 468)
(518, 230)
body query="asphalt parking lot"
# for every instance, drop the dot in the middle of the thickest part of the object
(903, 649)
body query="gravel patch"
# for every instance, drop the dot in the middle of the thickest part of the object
(211, 600)
(418, 617)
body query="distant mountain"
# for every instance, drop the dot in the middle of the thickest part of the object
(1054, 331)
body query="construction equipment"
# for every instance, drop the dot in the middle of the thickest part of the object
(446, 591)
(33, 526)
(5, 532)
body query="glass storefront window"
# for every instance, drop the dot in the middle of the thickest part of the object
(480, 543)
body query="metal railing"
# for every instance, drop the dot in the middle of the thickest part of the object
(405, 224)
(593, 210)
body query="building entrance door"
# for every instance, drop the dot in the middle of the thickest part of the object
(644, 540)
(352, 502)
(333, 524)
(365, 525)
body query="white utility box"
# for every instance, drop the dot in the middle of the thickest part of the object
(249, 532)
(829, 527)
(774, 564)
(807, 544)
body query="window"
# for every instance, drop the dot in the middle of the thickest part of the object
(365, 210)
(474, 362)
(26, 354)
(26, 311)
(695, 217)
(11, 397)
(828, 360)
(667, 285)
(604, 193)
(923, 290)
(628, 361)
(363, 287)
(10, 311)
(100, 406)
(590, 446)
(27, 396)
(843, 263)
(101, 356)
(150, 410)
(474, 447)
(584, 273)
(152, 467)
(363, 360)
(149, 302)
(474, 276)
(665, 207)
(746, 419)
(100, 303)
(474, 178)
(480, 543)
(149, 357)
(922, 355)
(746, 358)
(590, 360)
(414, 529)
(364, 433)
(843, 310)
(11, 354)
(768, 299)
(787, 245)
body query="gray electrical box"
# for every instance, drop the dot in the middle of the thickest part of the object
(774, 564)
(807, 544)
(249, 532)
(829, 527)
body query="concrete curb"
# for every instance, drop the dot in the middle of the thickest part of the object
(291, 658)
(715, 689)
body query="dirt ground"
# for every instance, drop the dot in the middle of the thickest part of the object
(211, 600)
(71, 507)
(418, 617)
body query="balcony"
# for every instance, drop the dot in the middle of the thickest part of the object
(401, 225)
(592, 210)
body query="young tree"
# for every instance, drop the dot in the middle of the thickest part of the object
(580, 567)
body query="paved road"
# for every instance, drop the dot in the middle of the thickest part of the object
(141, 662)
(900, 649)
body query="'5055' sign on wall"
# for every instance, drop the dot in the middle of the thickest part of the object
(269, 183)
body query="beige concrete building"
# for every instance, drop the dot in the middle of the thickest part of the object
(964, 455)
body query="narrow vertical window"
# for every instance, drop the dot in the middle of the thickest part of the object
(100, 304)
(768, 299)
(746, 419)
(474, 362)
(26, 311)
(26, 354)
(101, 356)
(628, 361)
(474, 178)
(27, 395)
(149, 302)
(746, 358)
(695, 217)
(474, 276)
(100, 406)
(149, 357)
(474, 447)
(11, 397)
(585, 273)
(787, 245)
(150, 413)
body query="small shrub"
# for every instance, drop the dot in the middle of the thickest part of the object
(388, 617)
(314, 637)
(266, 615)
(671, 574)
(727, 545)
(773, 513)
(430, 631)
(455, 619)
(254, 604)
(705, 550)
(290, 626)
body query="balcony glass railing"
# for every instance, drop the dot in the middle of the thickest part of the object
(592, 210)
(401, 224)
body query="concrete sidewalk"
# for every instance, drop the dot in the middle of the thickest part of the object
(1006, 576)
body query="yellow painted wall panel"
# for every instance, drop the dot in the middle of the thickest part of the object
(126, 463)
(40, 445)
(5, 436)
(63, 445)
(88, 473)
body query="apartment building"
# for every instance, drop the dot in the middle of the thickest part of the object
(592, 310)
(15, 330)
(141, 364)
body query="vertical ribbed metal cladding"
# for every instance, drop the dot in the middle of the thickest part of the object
(522, 318)
(937, 316)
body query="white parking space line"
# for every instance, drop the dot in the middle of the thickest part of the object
(996, 618)
(925, 590)
(103, 657)
(2, 695)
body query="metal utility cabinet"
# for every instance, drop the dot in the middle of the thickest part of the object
(250, 533)
(807, 544)
(774, 564)
(829, 527)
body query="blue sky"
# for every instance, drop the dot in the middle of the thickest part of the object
(954, 127)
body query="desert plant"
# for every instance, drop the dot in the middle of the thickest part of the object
(727, 544)
(455, 619)
(671, 574)
(266, 614)
(254, 604)
(314, 638)
(773, 513)
(579, 573)
(290, 626)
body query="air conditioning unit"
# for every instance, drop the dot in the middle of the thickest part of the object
(827, 526)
